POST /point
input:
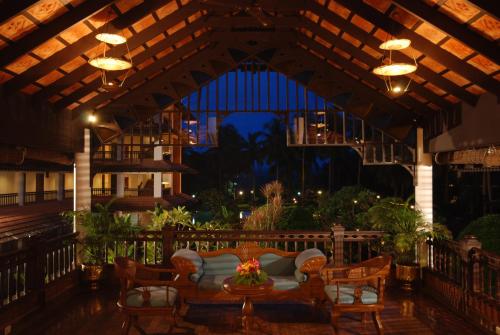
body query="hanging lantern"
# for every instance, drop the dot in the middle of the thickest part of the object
(392, 72)
(106, 63)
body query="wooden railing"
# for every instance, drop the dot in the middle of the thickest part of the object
(30, 275)
(150, 247)
(467, 278)
(99, 192)
(9, 199)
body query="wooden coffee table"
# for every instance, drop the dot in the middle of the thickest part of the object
(248, 321)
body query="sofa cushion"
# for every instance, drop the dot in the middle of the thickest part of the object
(211, 282)
(158, 296)
(300, 276)
(275, 265)
(224, 264)
(306, 255)
(283, 283)
(195, 259)
(346, 294)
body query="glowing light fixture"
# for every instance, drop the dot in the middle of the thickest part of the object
(110, 63)
(395, 44)
(393, 72)
(92, 118)
(109, 38)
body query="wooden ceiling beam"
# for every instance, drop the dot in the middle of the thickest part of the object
(50, 30)
(450, 27)
(138, 59)
(78, 48)
(423, 45)
(134, 42)
(369, 60)
(13, 8)
(142, 75)
(488, 6)
(362, 94)
(371, 41)
(417, 106)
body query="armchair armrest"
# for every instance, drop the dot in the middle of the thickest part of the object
(310, 261)
(189, 265)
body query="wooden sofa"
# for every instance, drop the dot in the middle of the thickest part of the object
(295, 274)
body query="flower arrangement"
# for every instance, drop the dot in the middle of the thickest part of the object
(250, 273)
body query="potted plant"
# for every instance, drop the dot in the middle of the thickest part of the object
(99, 229)
(405, 231)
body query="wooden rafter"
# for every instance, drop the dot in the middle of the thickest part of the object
(488, 6)
(423, 45)
(373, 42)
(46, 32)
(142, 75)
(134, 42)
(370, 61)
(417, 107)
(449, 26)
(78, 48)
(164, 44)
(13, 8)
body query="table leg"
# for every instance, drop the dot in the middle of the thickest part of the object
(247, 311)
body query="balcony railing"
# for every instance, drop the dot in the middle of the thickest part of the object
(107, 192)
(467, 279)
(343, 247)
(11, 199)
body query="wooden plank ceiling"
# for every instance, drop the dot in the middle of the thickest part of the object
(45, 47)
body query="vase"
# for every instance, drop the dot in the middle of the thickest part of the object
(407, 275)
(92, 275)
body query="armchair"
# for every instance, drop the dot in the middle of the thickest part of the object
(143, 293)
(357, 288)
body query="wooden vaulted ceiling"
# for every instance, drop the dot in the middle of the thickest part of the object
(178, 45)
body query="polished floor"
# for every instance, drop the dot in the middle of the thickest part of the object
(95, 313)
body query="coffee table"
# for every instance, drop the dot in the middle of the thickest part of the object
(248, 321)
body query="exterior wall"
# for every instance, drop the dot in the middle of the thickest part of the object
(30, 181)
(136, 179)
(97, 181)
(9, 182)
(479, 127)
(68, 181)
(50, 182)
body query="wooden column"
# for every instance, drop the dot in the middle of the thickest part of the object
(21, 188)
(338, 244)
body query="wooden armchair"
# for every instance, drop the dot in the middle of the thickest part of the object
(357, 288)
(143, 293)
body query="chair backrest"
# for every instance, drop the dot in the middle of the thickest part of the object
(125, 270)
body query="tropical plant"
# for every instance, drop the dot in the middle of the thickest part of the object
(347, 207)
(100, 229)
(299, 218)
(178, 217)
(267, 216)
(405, 228)
(487, 230)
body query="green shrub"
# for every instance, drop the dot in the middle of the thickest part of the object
(487, 230)
(347, 207)
(298, 218)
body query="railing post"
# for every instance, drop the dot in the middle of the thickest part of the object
(466, 244)
(36, 268)
(338, 244)
(168, 238)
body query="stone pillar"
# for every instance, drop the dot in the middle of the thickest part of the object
(423, 179)
(157, 176)
(82, 190)
(21, 188)
(60, 186)
(120, 185)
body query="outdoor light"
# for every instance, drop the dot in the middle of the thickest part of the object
(389, 69)
(109, 38)
(298, 193)
(320, 192)
(240, 192)
(355, 201)
(92, 118)
(378, 196)
(412, 207)
(251, 192)
(194, 196)
(106, 62)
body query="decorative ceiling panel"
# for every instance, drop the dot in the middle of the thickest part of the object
(17, 27)
(47, 10)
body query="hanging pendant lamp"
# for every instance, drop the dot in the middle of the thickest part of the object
(393, 72)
